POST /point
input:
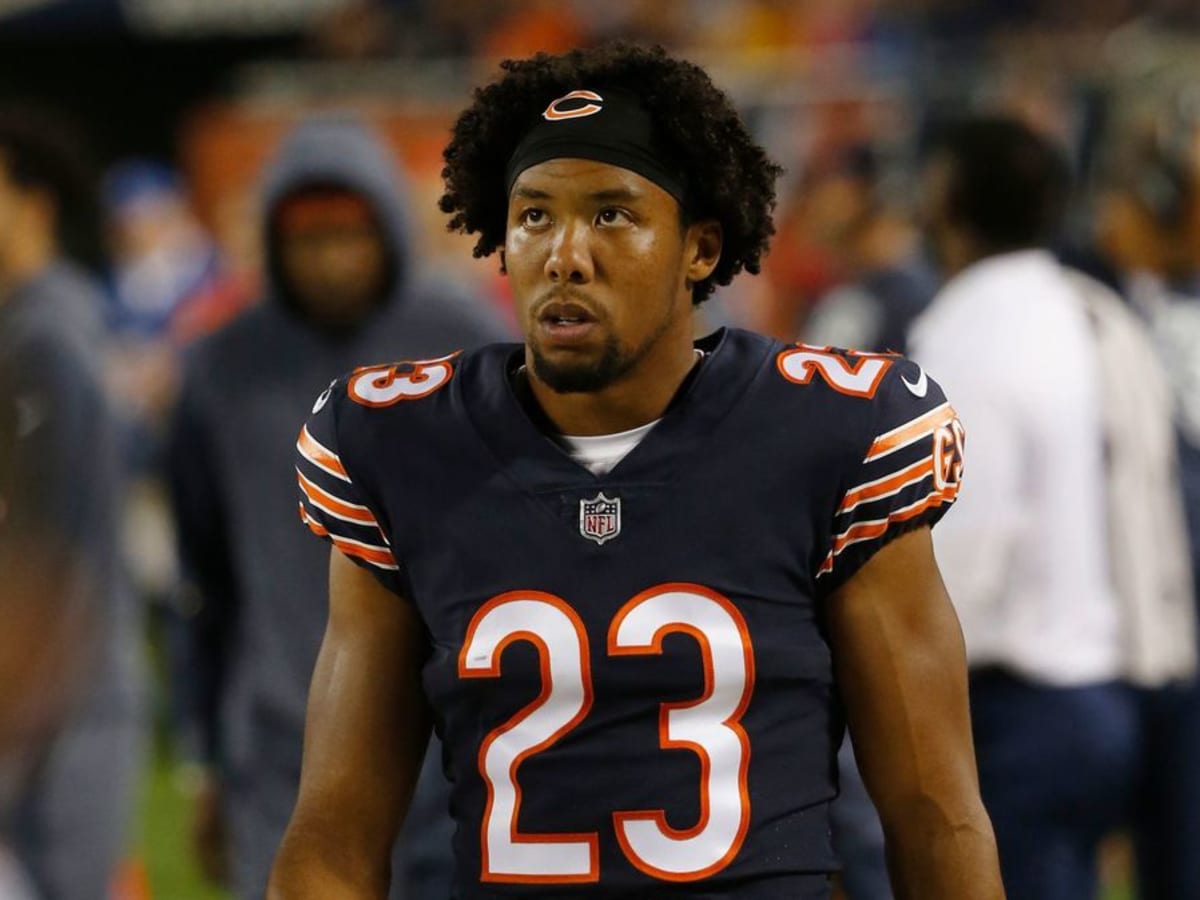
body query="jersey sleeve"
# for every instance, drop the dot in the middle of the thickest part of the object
(908, 477)
(332, 505)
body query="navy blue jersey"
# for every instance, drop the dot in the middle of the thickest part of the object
(629, 672)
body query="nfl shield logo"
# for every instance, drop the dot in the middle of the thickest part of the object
(600, 518)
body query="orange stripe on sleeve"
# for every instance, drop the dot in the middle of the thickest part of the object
(865, 531)
(320, 455)
(342, 509)
(316, 527)
(380, 557)
(893, 440)
(887, 485)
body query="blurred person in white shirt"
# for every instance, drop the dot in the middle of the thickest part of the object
(1148, 226)
(1066, 609)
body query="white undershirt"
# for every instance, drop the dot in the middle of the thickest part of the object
(599, 453)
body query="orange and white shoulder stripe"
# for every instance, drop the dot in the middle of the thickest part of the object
(886, 486)
(375, 554)
(320, 455)
(910, 432)
(354, 513)
(874, 528)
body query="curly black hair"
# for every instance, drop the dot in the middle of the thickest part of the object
(730, 177)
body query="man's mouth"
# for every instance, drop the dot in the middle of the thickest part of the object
(565, 312)
(565, 322)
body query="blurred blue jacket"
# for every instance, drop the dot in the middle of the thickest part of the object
(260, 584)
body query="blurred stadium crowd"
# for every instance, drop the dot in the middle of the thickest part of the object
(209, 269)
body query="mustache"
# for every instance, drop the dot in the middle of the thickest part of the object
(565, 297)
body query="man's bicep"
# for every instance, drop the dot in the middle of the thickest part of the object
(901, 669)
(368, 722)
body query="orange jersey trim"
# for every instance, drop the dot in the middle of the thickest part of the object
(886, 486)
(911, 431)
(341, 509)
(865, 531)
(320, 455)
(314, 526)
(380, 557)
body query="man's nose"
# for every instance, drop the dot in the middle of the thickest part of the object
(570, 259)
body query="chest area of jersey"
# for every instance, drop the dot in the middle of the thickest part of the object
(743, 525)
(655, 590)
(621, 626)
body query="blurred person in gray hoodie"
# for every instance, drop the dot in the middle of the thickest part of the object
(342, 290)
(70, 686)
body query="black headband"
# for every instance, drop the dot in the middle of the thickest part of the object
(609, 127)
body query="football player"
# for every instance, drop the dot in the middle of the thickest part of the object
(633, 580)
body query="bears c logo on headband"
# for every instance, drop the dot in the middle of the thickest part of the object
(625, 136)
(553, 113)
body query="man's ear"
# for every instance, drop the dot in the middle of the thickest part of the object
(704, 240)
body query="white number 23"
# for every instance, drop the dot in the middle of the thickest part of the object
(708, 726)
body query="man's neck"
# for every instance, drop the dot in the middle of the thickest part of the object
(637, 399)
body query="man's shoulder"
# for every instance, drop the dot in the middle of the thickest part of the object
(408, 394)
(841, 403)
(393, 426)
(851, 384)
(385, 388)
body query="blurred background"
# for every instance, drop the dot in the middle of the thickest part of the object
(179, 104)
(182, 101)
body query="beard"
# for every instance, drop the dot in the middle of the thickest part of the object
(584, 376)
(591, 374)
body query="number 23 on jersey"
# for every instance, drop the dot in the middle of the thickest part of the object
(709, 726)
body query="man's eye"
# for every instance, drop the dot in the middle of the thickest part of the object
(533, 217)
(612, 216)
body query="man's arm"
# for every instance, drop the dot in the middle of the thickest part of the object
(901, 667)
(366, 732)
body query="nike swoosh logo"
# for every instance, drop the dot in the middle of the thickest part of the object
(921, 388)
(324, 398)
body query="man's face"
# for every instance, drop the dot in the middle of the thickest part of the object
(599, 265)
(335, 269)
